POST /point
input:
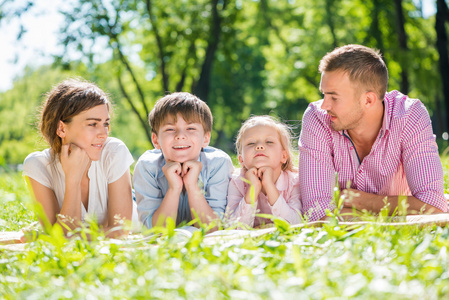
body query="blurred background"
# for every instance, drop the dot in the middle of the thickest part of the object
(242, 57)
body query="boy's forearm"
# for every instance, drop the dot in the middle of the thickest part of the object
(167, 209)
(198, 205)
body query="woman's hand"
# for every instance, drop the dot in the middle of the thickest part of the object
(74, 161)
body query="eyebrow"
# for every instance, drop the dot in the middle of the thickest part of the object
(96, 119)
(330, 93)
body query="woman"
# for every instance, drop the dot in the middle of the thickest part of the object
(84, 171)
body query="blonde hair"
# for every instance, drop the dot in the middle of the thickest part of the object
(283, 130)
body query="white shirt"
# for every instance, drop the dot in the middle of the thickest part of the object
(114, 162)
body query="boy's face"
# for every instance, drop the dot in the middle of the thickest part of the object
(180, 141)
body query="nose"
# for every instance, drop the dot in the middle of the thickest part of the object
(259, 146)
(180, 134)
(326, 104)
(103, 131)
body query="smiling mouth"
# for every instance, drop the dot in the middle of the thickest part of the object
(98, 146)
(181, 147)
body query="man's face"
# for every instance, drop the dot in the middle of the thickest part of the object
(179, 140)
(342, 100)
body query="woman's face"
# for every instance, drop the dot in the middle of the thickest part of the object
(87, 130)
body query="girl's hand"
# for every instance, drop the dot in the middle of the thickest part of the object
(252, 176)
(265, 175)
(74, 161)
(269, 184)
(173, 171)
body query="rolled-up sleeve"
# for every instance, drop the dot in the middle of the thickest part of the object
(149, 196)
(217, 182)
(238, 211)
(422, 164)
(316, 167)
(288, 205)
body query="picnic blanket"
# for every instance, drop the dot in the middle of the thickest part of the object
(17, 240)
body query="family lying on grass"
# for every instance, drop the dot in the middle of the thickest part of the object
(380, 144)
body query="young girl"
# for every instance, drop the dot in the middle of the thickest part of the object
(263, 148)
(84, 171)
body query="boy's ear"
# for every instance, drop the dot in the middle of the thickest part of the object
(60, 131)
(206, 139)
(155, 141)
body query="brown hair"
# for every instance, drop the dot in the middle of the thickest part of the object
(66, 100)
(191, 108)
(285, 136)
(362, 64)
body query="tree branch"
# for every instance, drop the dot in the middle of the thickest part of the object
(133, 107)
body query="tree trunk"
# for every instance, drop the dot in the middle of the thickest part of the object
(375, 28)
(202, 87)
(442, 16)
(330, 21)
(402, 37)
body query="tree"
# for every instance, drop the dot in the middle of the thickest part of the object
(442, 17)
(175, 45)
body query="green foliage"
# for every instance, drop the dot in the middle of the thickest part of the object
(359, 261)
(266, 60)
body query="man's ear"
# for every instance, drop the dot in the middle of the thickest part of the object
(60, 131)
(155, 141)
(206, 139)
(370, 99)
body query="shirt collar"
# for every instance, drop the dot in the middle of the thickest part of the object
(387, 114)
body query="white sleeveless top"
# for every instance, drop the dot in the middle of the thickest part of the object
(114, 162)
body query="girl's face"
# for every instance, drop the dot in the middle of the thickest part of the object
(88, 130)
(261, 147)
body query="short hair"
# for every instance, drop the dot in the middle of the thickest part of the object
(362, 64)
(191, 108)
(66, 100)
(285, 136)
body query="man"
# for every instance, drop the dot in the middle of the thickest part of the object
(380, 144)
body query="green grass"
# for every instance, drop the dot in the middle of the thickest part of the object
(334, 261)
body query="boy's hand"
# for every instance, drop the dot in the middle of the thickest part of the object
(253, 177)
(74, 161)
(190, 172)
(173, 171)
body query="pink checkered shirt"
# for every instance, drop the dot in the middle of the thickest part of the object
(404, 159)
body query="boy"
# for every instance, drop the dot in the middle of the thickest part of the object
(182, 175)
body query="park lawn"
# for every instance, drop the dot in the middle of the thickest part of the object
(368, 261)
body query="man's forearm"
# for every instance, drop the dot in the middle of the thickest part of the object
(374, 203)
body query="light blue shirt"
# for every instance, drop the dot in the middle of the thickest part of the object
(151, 185)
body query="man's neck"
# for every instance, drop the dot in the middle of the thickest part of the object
(364, 135)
